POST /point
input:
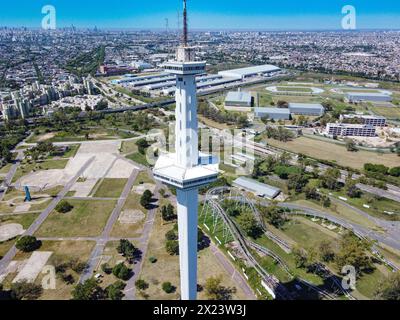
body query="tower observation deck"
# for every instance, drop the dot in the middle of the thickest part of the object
(186, 169)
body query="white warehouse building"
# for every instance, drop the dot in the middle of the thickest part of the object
(242, 73)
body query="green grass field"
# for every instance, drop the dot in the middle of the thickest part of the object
(294, 89)
(110, 188)
(335, 153)
(26, 167)
(87, 218)
(64, 252)
(138, 158)
(390, 113)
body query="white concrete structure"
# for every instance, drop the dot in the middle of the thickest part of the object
(185, 169)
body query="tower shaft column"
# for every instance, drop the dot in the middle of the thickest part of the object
(187, 225)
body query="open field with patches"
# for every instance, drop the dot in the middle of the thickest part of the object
(167, 267)
(28, 167)
(110, 188)
(87, 218)
(390, 113)
(331, 152)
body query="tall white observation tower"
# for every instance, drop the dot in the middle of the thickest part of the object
(186, 169)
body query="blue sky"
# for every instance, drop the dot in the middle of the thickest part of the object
(204, 14)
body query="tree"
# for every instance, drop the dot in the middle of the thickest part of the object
(28, 244)
(115, 291)
(146, 199)
(25, 291)
(168, 213)
(172, 247)
(330, 178)
(89, 290)
(128, 250)
(351, 146)
(326, 252)
(297, 182)
(311, 193)
(106, 268)
(171, 235)
(353, 252)
(142, 145)
(141, 284)
(275, 216)
(249, 225)
(389, 289)
(121, 271)
(395, 172)
(168, 287)
(300, 257)
(215, 291)
(64, 207)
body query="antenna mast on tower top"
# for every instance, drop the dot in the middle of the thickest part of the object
(185, 25)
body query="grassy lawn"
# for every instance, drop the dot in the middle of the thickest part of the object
(63, 252)
(390, 113)
(377, 206)
(6, 168)
(111, 188)
(26, 167)
(143, 177)
(340, 211)
(128, 147)
(329, 151)
(87, 218)
(112, 258)
(25, 220)
(73, 149)
(213, 124)
(294, 89)
(307, 234)
(167, 267)
(130, 230)
(65, 136)
(368, 283)
(138, 158)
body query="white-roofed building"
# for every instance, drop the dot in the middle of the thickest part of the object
(272, 113)
(263, 70)
(258, 188)
(238, 101)
(306, 109)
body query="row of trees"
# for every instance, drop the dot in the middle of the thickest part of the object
(239, 119)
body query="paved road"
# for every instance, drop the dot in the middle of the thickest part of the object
(10, 175)
(130, 290)
(43, 216)
(101, 242)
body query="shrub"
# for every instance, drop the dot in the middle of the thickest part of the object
(172, 247)
(64, 207)
(141, 284)
(121, 271)
(171, 235)
(168, 287)
(25, 291)
(153, 259)
(28, 244)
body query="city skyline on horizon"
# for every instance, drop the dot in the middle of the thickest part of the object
(252, 15)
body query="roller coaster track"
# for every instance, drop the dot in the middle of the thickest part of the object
(245, 245)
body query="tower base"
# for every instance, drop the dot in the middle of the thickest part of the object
(187, 201)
